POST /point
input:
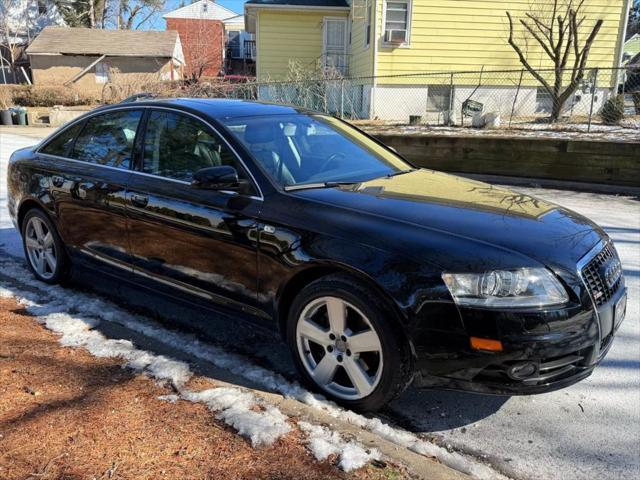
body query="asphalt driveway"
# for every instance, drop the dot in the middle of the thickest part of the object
(590, 430)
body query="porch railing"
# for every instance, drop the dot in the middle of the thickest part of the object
(250, 49)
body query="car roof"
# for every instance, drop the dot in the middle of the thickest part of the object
(219, 108)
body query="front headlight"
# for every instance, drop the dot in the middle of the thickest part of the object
(525, 287)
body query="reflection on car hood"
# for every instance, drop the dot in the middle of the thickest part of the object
(495, 215)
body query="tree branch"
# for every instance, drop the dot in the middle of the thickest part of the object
(522, 58)
(529, 29)
(544, 29)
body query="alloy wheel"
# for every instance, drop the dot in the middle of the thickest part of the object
(41, 249)
(339, 348)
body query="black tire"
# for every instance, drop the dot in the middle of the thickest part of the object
(62, 271)
(397, 366)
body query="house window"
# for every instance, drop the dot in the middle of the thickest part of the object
(438, 98)
(102, 72)
(367, 24)
(233, 43)
(397, 22)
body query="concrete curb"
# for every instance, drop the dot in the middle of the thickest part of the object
(420, 466)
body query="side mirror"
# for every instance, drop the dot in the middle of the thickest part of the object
(223, 177)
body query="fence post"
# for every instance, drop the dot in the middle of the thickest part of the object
(450, 112)
(515, 98)
(342, 98)
(593, 94)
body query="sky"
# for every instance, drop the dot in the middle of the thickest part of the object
(158, 23)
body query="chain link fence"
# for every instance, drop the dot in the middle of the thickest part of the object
(505, 98)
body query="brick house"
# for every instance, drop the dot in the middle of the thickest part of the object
(201, 29)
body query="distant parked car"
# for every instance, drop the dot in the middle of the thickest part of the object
(376, 273)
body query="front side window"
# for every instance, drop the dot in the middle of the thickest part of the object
(396, 26)
(176, 146)
(108, 139)
(62, 143)
(300, 149)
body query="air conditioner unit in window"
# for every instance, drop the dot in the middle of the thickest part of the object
(395, 37)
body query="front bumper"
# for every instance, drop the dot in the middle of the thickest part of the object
(574, 343)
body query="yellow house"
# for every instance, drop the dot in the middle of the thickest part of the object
(403, 52)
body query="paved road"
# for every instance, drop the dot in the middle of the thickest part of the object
(590, 430)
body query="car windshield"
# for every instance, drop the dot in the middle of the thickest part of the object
(298, 150)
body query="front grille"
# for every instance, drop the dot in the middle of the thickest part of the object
(591, 273)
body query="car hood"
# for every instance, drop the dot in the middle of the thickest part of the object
(493, 215)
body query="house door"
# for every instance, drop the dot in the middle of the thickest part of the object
(334, 43)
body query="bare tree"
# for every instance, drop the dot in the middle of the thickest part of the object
(558, 32)
(132, 14)
(83, 13)
(205, 41)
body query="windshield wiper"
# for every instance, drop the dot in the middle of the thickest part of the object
(308, 186)
(400, 172)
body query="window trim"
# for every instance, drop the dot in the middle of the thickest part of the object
(368, 22)
(87, 116)
(406, 44)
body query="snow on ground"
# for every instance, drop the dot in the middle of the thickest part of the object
(323, 442)
(627, 132)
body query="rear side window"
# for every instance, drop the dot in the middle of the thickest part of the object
(176, 146)
(108, 139)
(61, 144)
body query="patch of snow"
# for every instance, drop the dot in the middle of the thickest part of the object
(172, 398)
(324, 442)
(237, 409)
(627, 131)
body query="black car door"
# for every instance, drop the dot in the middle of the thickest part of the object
(198, 241)
(88, 188)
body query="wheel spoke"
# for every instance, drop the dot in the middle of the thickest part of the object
(364, 342)
(336, 310)
(325, 370)
(313, 332)
(40, 264)
(48, 240)
(31, 243)
(51, 261)
(37, 228)
(358, 377)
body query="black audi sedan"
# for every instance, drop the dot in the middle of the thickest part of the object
(376, 273)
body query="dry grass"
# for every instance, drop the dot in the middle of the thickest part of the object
(65, 414)
(6, 97)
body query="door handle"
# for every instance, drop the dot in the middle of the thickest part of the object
(139, 200)
(57, 181)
